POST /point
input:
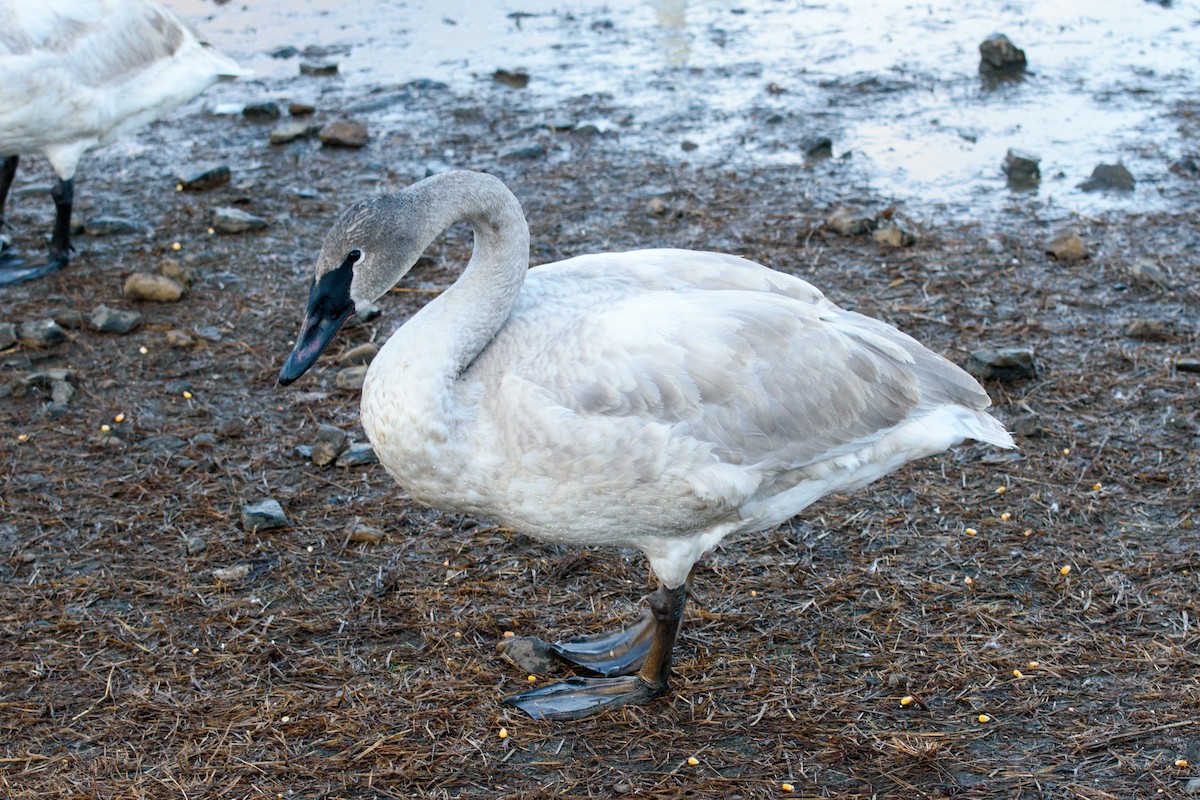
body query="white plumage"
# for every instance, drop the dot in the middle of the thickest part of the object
(658, 399)
(78, 74)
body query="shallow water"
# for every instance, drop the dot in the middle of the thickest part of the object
(896, 86)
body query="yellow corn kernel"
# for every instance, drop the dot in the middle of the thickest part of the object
(1005, 517)
(1181, 762)
(1034, 664)
(907, 700)
(1065, 570)
(787, 787)
(1017, 673)
(503, 733)
(984, 718)
(1096, 487)
(176, 246)
(119, 418)
(970, 531)
(693, 761)
(1001, 489)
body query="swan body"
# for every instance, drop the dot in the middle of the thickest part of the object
(79, 74)
(657, 399)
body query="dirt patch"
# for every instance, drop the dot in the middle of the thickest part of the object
(1063, 608)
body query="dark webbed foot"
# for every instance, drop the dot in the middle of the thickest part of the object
(14, 269)
(648, 642)
(580, 697)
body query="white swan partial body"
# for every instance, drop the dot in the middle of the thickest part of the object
(79, 74)
(658, 399)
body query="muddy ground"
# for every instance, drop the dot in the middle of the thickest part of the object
(1064, 608)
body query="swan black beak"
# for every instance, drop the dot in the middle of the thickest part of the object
(329, 305)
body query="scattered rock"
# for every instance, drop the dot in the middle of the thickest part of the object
(358, 455)
(291, 131)
(8, 335)
(318, 68)
(287, 51)
(205, 177)
(362, 354)
(110, 226)
(365, 534)
(344, 134)
(1029, 426)
(231, 573)
(61, 392)
(1021, 168)
(153, 288)
(1004, 364)
(267, 111)
(179, 340)
(892, 235)
(41, 333)
(1192, 786)
(380, 102)
(848, 222)
(1187, 364)
(1148, 270)
(529, 152)
(67, 317)
(1149, 329)
(263, 516)
(815, 147)
(656, 207)
(1067, 247)
(999, 57)
(1187, 167)
(517, 79)
(195, 545)
(301, 108)
(688, 146)
(113, 320)
(231, 428)
(331, 441)
(176, 271)
(530, 654)
(234, 220)
(1109, 177)
(351, 378)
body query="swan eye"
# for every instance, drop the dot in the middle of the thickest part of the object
(355, 256)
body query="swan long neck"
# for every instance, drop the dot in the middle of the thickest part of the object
(465, 317)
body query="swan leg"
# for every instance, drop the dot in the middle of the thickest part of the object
(13, 268)
(581, 697)
(8, 171)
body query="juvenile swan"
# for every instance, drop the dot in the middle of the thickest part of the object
(76, 74)
(658, 399)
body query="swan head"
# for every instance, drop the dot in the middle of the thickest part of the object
(364, 254)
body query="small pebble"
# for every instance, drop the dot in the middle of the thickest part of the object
(351, 378)
(1067, 247)
(110, 226)
(201, 178)
(234, 220)
(344, 134)
(153, 288)
(265, 111)
(111, 320)
(40, 333)
(261, 516)
(515, 79)
(321, 69)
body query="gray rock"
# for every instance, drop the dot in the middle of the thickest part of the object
(344, 134)
(1150, 330)
(848, 222)
(1021, 168)
(357, 455)
(1109, 178)
(351, 378)
(1187, 364)
(318, 68)
(1148, 270)
(8, 335)
(233, 220)
(379, 102)
(67, 317)
(195, 545)
(179, 340)
(998, 56)
(198, 179)
(892, 235)
(1002, 364)
(112, 320)
(155, 288)
(688, 146)
(301, 108)
(231, 428)
(816, 147)
(1067, 247)
(61, 392)
(363, 354)
(40, 333)
(530, 152)
(513, 79)
(331, 441)
(110, 226)
(292, 131)
(263, 516)
(266, 111)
